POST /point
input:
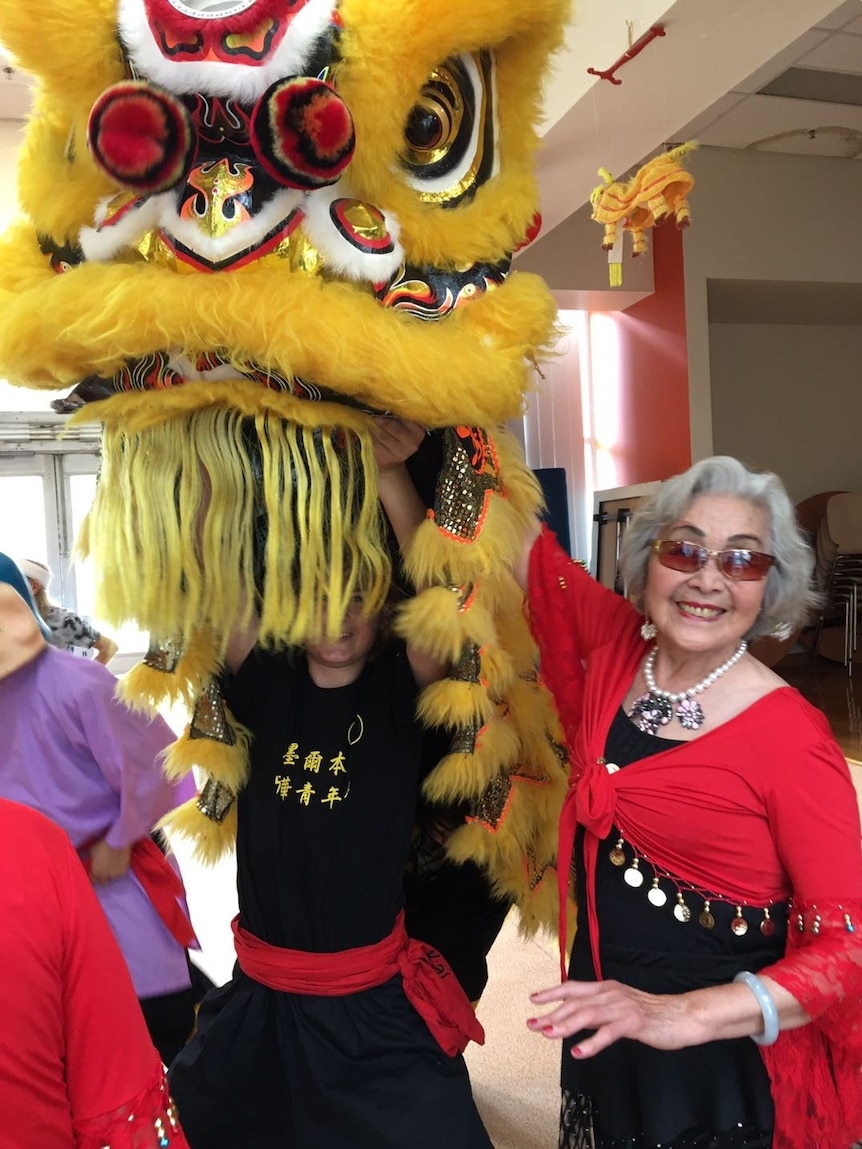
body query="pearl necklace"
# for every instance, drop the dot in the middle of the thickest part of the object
(656, 708)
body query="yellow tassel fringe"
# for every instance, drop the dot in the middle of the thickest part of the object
(194, 564)
(212, 840)
(227, 764)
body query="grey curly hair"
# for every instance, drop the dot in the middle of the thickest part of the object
(790, 598)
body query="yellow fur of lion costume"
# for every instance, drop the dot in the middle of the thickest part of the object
(242, 238)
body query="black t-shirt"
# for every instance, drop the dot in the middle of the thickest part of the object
(326, 818)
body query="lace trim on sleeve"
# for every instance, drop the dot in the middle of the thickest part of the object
(822, 967)
(816, 1071)
(148, 1121)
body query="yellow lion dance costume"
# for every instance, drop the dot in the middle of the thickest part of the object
(251, 226)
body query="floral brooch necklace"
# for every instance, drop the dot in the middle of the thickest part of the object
(656, 708)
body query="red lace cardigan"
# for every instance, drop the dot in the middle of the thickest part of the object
(762, 807)
(77, 1067)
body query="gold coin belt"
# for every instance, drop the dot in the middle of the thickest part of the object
(683, 911)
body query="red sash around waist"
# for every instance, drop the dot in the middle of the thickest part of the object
(162, 885)
(429, 984)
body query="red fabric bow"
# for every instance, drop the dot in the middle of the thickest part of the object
(429, 984)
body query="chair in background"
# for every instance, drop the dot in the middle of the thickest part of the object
(809, 514)
(838, 549)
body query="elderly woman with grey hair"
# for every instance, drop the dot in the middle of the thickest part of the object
(715, 836)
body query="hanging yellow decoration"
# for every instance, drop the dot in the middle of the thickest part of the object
(658, 191)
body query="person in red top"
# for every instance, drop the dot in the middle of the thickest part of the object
(77, 1067)
(715, 835)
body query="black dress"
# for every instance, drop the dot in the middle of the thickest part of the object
(324, 831)
(630, 1096)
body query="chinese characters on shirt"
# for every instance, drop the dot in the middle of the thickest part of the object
(294, 785)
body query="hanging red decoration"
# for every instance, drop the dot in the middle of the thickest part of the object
(635, 50)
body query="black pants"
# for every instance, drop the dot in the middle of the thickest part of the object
(170, 1018)
(454, 909)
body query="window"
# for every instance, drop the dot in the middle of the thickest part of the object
(47, 485)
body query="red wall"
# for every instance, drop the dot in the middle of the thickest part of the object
(652, 436)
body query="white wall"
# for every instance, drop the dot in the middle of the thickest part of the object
(761, 216)
(11, 136)
(789, 399)
(554, 432)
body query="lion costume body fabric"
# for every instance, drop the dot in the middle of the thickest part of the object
(252, 224)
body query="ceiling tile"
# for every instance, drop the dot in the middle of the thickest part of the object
(791, 54)
(840, 17)
(758, 118)
(695, 129)
(839, 53)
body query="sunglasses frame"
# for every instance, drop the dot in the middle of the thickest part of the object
(704, 555)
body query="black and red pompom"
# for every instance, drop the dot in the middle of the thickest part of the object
(141, 136)
(302, 133)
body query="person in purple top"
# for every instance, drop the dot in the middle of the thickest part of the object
(74, 752)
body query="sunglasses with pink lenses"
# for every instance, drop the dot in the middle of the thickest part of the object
(734, 563)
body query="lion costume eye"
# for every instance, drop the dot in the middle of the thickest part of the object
(451, 131)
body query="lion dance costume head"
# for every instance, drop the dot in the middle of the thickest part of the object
(251, 225)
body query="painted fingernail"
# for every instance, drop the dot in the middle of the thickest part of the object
(577, 1051)
(547, 1029)
(532, 1021)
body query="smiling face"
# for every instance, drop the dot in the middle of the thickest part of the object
(706, 613)
(339, 661)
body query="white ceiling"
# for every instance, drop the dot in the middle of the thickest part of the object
(746, 119)
(710, 49)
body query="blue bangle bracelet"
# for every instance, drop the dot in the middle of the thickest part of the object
(767, 1007)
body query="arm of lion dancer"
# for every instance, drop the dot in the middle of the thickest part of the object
(395, 440)
(241, 641)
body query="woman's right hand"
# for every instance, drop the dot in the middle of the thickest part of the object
(613, 1010)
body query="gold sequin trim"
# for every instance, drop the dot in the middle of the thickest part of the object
(464, 740)
(464, 486)
(215, 800)
(468, 666)
(163, 656)
(491, 807)
(210, 717)
(535, 872)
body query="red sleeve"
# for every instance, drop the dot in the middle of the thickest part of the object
(570, 615)
(115, 1080)
(815, 818)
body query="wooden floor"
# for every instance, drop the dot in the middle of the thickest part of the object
(828, 686)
